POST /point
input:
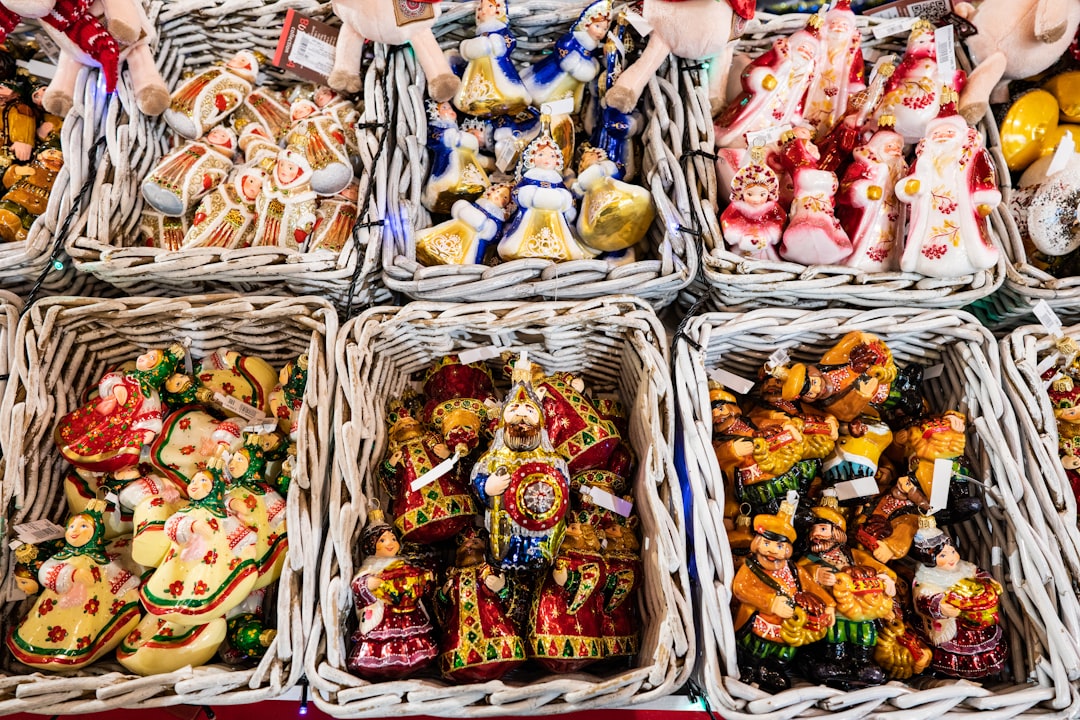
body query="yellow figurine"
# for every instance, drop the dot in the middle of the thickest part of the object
(464, 238)
(614, 214)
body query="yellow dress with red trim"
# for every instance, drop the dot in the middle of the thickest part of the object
(258, 506)
(565, 621)
(210, 567)
(88, 604)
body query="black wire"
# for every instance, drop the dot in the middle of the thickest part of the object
(65, 226)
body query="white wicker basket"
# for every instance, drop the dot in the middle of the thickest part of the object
(66, 344)
(9, 318)
(738, 282)
(670, 99)
(1039, 608)
(193, 35)
(616, 344)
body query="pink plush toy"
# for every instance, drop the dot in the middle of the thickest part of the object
(75, 26)
(393, 22)
(1016, 39)
(691, 29)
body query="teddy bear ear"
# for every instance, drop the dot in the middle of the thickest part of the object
(1051, 18)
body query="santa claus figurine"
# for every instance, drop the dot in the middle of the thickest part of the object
(754, 220)
(839, 72)
(813, 235)
(867, 207)
(951, 189)
(774, 87)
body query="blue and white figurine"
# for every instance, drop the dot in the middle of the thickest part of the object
(456, 173)
(491, 84)
(563, 74)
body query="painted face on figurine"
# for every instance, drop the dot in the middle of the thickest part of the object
(894, 147)
(942, 134)
(323, 96)
(824, 536)
(80, 529)
(1068, 413)
(487, 10)
(446, 111)
(200, 485)
(471, 552)
(598, 27)
(52, 159)
(287, 172)
(947, 558)
(804, 50)
(219, 137)
(239, 62)
(25, 583)
(351, 192)
(387, 545)
(522, 426)
(302, 110)
(771, 549)
(38, 96)
(756, 195)
(148, 360)
(177, 383)
(251, 185)
(545, 157)
(724, 412)
(840, 25)
(239, 462)
(498, 194)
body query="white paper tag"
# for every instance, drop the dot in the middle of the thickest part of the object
(188, 367)
(939, 493)
(558, 107)
(505, 152)
(995, 556)
(38, 531)
(467, 357)
(234, 405)
(606, 500)
(261, 428)
(618, 43)
(1049, 319)
(313, 53)
(933, 371)
(16, 544)
(894, 27)
(1065, 149)
(779, 358)
(637, 22)
(946, 54)
(768, 136)
(731, 381)
(435, 473)
(43, 70)
(856, 488)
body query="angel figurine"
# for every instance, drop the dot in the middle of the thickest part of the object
(190, 171)
(564, 73)
(490, 84)
(753, 222)
(456, 173)
(208, 98)
(286, 208)
(226, 217)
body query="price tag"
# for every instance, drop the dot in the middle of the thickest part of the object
(768, 136)
(1062, 155)
(946, 54)
(38, 531)
(1049, 319)
(475, 355)
(189, 369)
(731, 381)
(242, 409)
(558, 107)
(894, 27)
(857, 488)
(604, 499)
(16, 544)
(618, 43)
(435, 473)
(933, 371)
(637, 22)
(939, 493)
(779, 358)
(306, 47)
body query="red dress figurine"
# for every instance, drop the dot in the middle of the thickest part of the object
(753, 222)
(395, 637)
(622, 568)
(480, 642)
(813, 235)
(108, 432)
(460, 401)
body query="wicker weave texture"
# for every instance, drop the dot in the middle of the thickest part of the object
(736, 281)
(193, 35)
(1039, 609)
(615, 344)
(672, 260)
(63, 346)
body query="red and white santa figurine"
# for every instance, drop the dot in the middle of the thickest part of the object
(867, 207)
(839, 72)
(753, 222)
(813, 235)
(951, 188)
(774, 87)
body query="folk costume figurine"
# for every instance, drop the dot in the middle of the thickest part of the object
(959, 605)
(813, 235)
(153, 499)
(914, 92)
(541, 226)
(461, 404)
(210, 567)
(28, 193)
(858, 450)
(774, 87)
(225, 218)
(395, 637)
(156, 646)
(780, 606)
(491, 85)
(753, 222)
(319, 136)
(939, 438)
(211, 96)
(479, 641)
(888, 525)
(88, 604)
(564, 73)
(108, 432)
(287, 397)
(335, 219)
(472, 228)
(456, 173)
(19, 121)
(190, 438)
(265, 108)
(286, 206)
(614, 215)
(190, 171)
(523, 482)
(839, 73)
(258, 147)
(867, 207)
(566, 617)
(247, 378)
(424, 511)
(951, 188)
(863, 589)
(250, 499)
(621, 627)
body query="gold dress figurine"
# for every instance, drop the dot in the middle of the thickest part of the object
(266, 108)
(226, 217)
(157, 229)
(208, 98)
(614, 215)
(464, 238)
(336, 218)
(286, 207)
(491, 85)
(190, 171)
(29, 194)
(456, 173)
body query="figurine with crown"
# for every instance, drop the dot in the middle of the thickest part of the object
(429, 504)
(286, 205)
(472, 228)
(490, 84)
(564, 73)
(456, 173)
(951, 189)
(615, 215)
(779, 606)
(394, 636)
(88, 604)
(959, 607)
(523, 482)
(753, 222)
(461, 404)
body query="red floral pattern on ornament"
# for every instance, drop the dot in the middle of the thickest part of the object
(187, 450)
(934, 252)
(176, 588)
(228, 388)
(200, 588)
(92, 605)
(210, 557)
(116, 607)
(45, 607)
(185, 423)
(56, 633)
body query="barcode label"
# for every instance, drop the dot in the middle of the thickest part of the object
(312, 53)
(946, 54)
(1046, 315)
(894, 27)
(857, 488)
(38, 531)
(242, 409)
(606, 500)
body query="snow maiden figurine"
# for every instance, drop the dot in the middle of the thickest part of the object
(564, 73)
(615, 215)
(465, 237)
(456, 173)
(813, 235)
(491, 85)
(753, 221)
